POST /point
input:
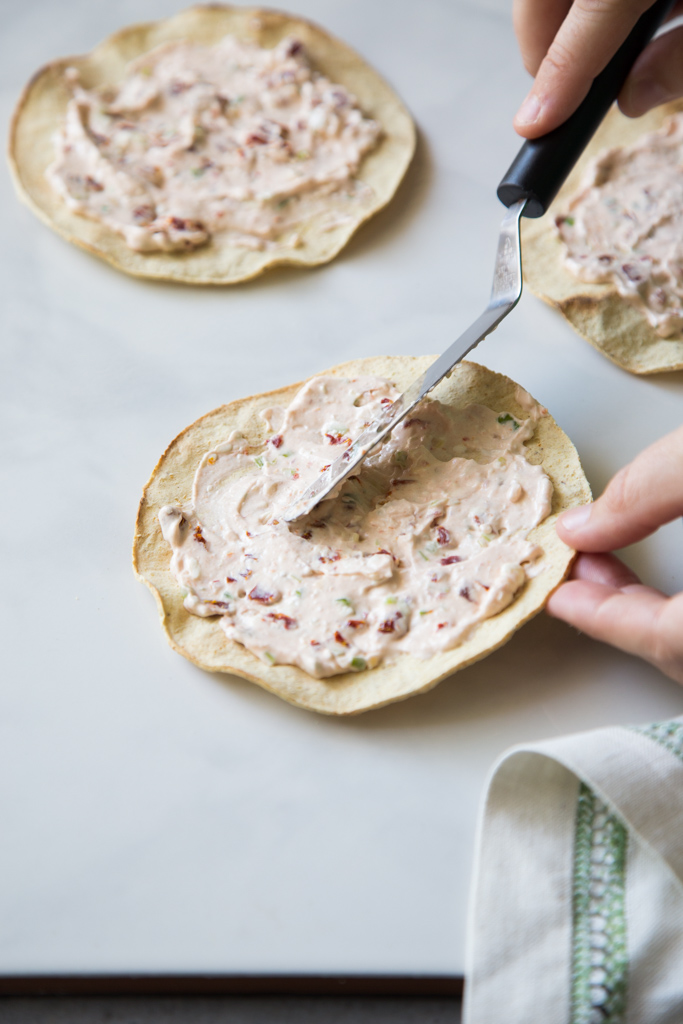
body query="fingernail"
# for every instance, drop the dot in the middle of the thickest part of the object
(576, 518)
(529, 110)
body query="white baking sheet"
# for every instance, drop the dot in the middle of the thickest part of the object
(155, 818)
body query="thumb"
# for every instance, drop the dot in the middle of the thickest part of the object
(656, 77)
(640, 498)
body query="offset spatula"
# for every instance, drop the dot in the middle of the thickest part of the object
(530, 185)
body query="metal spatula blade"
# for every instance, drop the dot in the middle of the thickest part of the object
(530, 185)
(505, 293)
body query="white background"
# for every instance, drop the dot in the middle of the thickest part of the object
(157, 818)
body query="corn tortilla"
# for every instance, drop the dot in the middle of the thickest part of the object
(204, 642)
(616, 327)
(41, 110)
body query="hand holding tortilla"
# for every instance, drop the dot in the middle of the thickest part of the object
(604, 598)
(566, 45)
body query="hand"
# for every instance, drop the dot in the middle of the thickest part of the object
(603, 598)
(566, 43)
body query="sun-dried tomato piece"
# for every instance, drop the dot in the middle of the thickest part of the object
(356, 623)
(276, 441)
(144, 213)
(199, 536)
(286, 620)
(465, 592)
(442, 535)
(261, 595)
(230, 579)
(451, 560)
(389, 625)
(340, 639)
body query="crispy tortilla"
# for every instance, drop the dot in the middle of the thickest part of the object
(41, 110)
(204, 642)
(616, 327)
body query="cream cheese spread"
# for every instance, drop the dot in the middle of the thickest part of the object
(231, 138)
(428, 540)
(626, 225)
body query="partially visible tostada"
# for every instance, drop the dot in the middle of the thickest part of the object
(608, 253)
(430, 559)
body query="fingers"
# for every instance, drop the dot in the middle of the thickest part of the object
(604, 569)
(641, 497)
(588, 37)
(657, 75)
(633, 617)
(536, 23)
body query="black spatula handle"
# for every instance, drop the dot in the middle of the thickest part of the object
(542, 165)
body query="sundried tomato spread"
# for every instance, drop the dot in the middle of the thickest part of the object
(232, 138)
(428, 540)
(626, 225)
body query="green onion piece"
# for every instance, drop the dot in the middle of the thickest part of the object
(344, 600)
(423, 555)
(259, 461)
(391, 600)
(298, 593)
(229, 596)
(570, 221)
(359, 664)
(507, 418)
(270, 657)
(428, 612)
(400, 458)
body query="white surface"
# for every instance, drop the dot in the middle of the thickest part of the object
(157, 818)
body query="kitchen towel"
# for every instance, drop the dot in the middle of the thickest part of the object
(576, 914)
